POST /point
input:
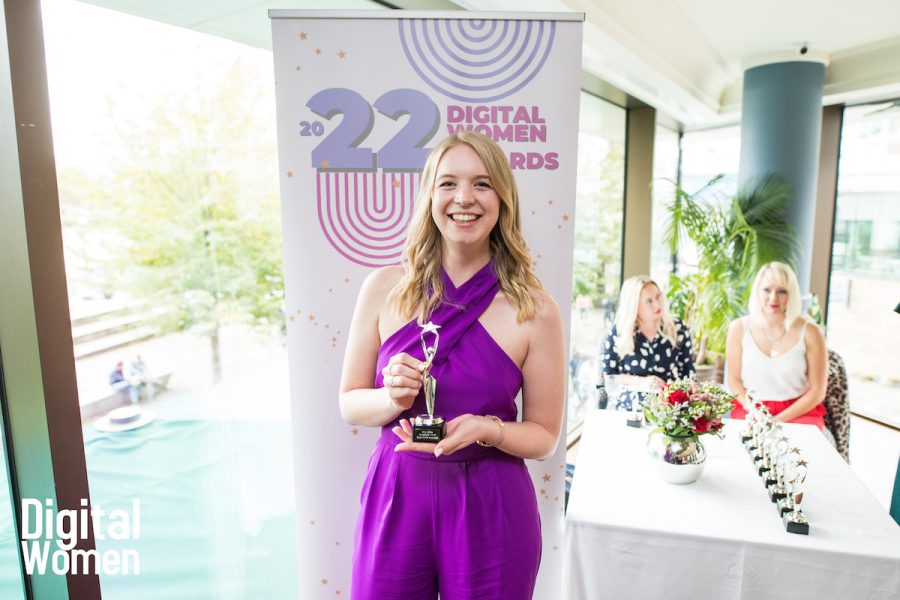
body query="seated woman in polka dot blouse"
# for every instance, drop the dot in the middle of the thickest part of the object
(655, 347)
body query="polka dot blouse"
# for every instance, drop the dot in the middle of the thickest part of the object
(651, 357)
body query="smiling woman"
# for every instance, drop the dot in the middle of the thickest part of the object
(776, 355)
(466, 271)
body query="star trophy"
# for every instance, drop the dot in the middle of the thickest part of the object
(794, 519)
(429, 428)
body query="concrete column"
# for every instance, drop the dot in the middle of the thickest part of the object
(781, 124)
(638, 221)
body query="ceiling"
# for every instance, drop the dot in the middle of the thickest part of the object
(685, 57)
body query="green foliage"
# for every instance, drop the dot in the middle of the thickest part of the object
(598, 221)
(189, 214)
(686, 408)
(731, 245)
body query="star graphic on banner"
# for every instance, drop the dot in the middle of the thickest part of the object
(297, 67)
(303, 35)
(550, 202)
(565, 217)
(546, 477)
(542, 491)
(324, 582)
(312, 522)
(802, 463)
(341, 54)
(395, 183)
(338, 543)
(559, 226)
(318, 51)
(325, 163)
(290, 173)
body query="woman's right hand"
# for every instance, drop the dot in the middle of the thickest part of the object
(402, 378)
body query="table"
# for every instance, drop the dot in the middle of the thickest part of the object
(630, 535)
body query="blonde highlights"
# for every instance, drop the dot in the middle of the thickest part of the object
(421, 290)
(627, 315)
(783, 275)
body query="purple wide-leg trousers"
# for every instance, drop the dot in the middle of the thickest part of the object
(463, 529)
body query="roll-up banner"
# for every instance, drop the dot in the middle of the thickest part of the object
(362, 97)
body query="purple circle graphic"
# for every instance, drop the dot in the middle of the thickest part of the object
(364, 217)
(476, 61)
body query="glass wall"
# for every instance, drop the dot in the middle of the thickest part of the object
(12, 586)
(599, 198)
(704, 156)
(865, 269)
(166, 158)
(665, 177)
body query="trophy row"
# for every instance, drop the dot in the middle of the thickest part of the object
(780, 466)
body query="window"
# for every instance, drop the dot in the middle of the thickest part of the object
(865, 271)
(598, 244)
(166, 161)
(665, 176)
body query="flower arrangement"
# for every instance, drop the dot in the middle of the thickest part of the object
(686, 408)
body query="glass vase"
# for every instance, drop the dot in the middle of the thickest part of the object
(676, 459)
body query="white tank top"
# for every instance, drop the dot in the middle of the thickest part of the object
(781, 377)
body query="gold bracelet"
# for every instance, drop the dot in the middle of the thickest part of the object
(502, 432)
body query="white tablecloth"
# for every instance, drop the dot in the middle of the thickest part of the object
(630, 535)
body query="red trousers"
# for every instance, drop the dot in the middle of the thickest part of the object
(816, 416)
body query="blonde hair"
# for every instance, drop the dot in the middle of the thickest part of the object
(627, 315)
(421, 290)
(784, 276)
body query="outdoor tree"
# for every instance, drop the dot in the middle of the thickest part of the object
(189, 214)
(598, 219)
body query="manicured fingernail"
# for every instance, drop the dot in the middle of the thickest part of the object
(421, 366)
(438, 451)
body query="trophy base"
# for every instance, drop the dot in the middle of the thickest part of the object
(795, 522)
(428, 430)
(784, 506)
(635, 420)
(776, 494)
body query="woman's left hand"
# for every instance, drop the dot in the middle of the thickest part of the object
(460, 432)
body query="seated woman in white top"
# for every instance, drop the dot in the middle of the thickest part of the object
(776, 353)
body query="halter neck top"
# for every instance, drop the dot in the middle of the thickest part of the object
(473, 373)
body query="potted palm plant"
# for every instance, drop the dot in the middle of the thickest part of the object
(733, 238)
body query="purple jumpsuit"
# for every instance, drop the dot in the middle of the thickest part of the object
(466, 525)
